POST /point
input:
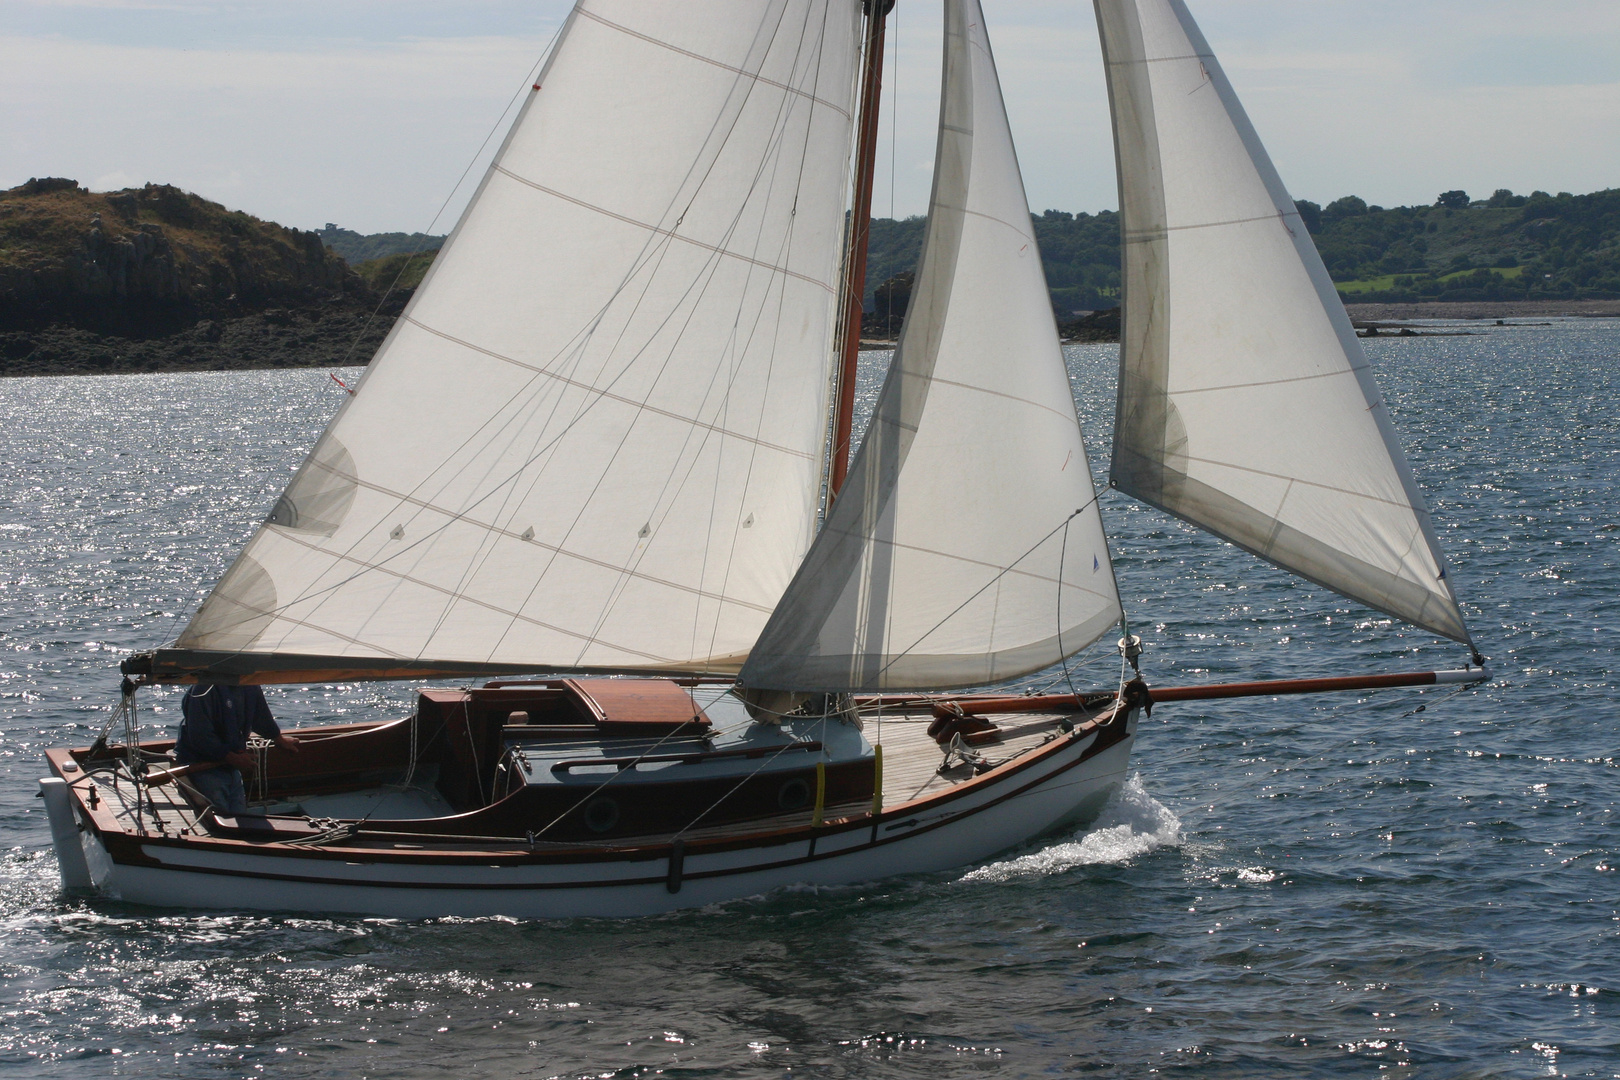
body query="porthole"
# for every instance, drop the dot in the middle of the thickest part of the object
(793, 795)
(601, 814)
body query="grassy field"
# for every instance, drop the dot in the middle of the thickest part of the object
(1380, 284)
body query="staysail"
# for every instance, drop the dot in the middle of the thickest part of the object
(594, 439)
(966, 546)
(1246, 405)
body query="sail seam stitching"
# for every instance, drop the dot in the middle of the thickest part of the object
(1001, 570)
(1160, 59)
(426, 505)
(448, 592)
(621, 399)
(710, 60)
(1273, 382)
(1299, 480)
(1020, 233)
(671, 233)
(1147, 235)
(1318, 578)
(280, 615)
(1004, 571)
(1000, 394)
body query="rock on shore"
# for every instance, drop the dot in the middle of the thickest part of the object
(155, 278)
(1484, 309)
(267, 339)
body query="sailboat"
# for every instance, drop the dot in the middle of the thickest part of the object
(598, 479)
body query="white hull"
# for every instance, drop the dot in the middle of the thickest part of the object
(1063, 788)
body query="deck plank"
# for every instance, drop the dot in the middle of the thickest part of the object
(911, 759)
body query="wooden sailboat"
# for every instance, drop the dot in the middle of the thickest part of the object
(599, 467)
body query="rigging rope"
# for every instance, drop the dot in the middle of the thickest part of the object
(739, 785)
(405, 265)
(657, 243)
(1003, 572)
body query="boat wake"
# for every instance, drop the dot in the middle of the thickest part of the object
(1132, 823)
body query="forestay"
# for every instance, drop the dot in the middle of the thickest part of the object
(1246, 405)
(594, 440)
(966, 546)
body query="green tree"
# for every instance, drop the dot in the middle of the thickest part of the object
(1339, 209)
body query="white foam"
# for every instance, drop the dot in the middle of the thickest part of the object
(1132, 823)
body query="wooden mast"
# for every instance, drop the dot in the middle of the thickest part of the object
(859, 236)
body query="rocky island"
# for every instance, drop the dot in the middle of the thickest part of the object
(158, 279)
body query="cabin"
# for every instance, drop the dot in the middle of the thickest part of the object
(565, 760)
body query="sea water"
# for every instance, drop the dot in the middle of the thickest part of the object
(1404, 883)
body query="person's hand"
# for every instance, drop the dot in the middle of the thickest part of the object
(288, 742)
(242, 759)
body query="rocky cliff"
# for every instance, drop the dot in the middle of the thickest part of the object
(156, 278)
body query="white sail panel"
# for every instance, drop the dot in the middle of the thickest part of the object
(966, 546)
(1246, 405)
(594, 439)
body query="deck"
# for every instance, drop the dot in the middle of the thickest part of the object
(911, 769)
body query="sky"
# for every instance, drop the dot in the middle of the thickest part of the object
(380, 115)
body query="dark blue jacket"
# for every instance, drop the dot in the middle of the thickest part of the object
(217, 719)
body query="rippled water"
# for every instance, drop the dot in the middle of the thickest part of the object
(1334, 886)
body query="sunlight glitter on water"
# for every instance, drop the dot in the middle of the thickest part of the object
(1293, 887)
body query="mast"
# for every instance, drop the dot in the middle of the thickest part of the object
(860, 234)
(900, 590)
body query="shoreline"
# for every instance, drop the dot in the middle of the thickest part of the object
(283, 339)
(1479, 310)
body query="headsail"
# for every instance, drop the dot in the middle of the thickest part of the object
(966, 546)
(593, 441)
(1246, 405)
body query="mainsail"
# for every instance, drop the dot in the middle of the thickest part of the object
(1246, 405)
(594, 439)
(966, 546)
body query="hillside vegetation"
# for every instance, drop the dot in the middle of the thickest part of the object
(357, 248)
(396, 274)
(1080, 253)
(156, 278)
(142, 257)
(1507, 247)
